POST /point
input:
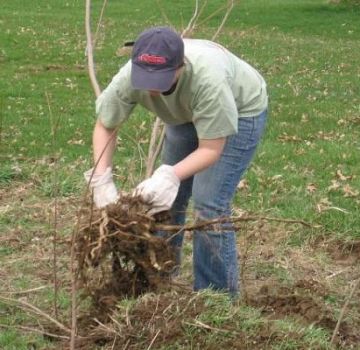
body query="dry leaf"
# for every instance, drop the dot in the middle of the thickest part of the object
(335, 185)
(323, 205)
(349, 191)
(311, 188)
(243, 185)
(289, 138)
(76, 142)
(342, 177)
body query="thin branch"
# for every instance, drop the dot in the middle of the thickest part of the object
(163, 13)
(200, 324)
(225, 220)
(343, 310)
(110, 330)
(97, 91)
(73, 253)
(55, 184)
(154, 146)
(213, 14)
(1, 120)
(99, 24)
(202, 8)
(228, 11)
(27, 291)
(159, 145)
(89, 50)
(36, 311)
(35, 330)
(191, 25)
(153, 340)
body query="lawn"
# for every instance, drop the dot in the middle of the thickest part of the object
(299, 255)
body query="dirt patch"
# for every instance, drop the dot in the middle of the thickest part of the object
(344, 252)
(303, 301)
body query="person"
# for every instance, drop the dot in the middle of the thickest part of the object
(214, 106)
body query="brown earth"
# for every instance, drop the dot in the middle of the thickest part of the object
(118, 257)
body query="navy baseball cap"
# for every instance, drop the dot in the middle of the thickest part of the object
(156, 55)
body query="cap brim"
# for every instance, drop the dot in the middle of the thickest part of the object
(142, 79)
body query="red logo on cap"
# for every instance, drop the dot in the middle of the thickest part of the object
(151, 59)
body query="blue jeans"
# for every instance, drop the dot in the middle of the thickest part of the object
(215, 260)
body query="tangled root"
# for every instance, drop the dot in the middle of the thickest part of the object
(118, 254)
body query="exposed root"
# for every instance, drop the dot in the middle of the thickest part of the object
(119, 254)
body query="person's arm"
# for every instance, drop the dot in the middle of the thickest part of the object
(104, 142)
(101, 180)
(207, 153)
(161, 188)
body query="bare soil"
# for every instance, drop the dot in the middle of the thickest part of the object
(119, 257)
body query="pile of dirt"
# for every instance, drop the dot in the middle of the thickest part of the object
(118, 253)
(304, 300)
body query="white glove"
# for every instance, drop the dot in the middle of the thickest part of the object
(103, 186)
(160, 189)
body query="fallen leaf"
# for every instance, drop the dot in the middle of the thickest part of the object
(289, 138)
(311, 188)
(335, 185)
(243, 185)
(342, 177)
(349, 191)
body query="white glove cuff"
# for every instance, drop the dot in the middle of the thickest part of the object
(168, 172)
(98, 179)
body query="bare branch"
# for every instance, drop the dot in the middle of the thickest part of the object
(36, 311)
(56, 192)
(89, 51)
(35, 330)
(191, 25)
(27, 291)
(163, 13)
(153, 146)
(99, 23)
(213, 14)
(343, 310)
(223, 220)
(153, 340)
(228, 11)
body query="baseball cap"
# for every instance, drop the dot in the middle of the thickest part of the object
(156, 55)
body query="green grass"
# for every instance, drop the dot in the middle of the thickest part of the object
(309, 62)
(307, 51)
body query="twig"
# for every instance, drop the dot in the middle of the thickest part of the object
(213, 14)
(191, 25)
(114, 342)
(35, 330)
(243, 261)
(99, 23)
(228, 11)
(1, 120)
(27, 291)
(227, 220)
(73, 253)
(54, 127)
(89, 50)
(205, 326)
(155, 150)
(343, 310)
(334, 274)
(110, 330)
(36, 311)
(151, 159)
(153, 340)
(163, 13)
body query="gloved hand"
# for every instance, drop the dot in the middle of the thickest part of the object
(103, 186)
(160, 189)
